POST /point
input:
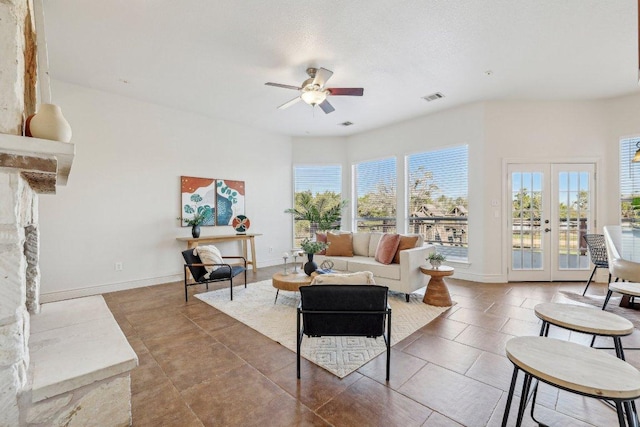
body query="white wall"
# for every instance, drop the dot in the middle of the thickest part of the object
(542, 132)
(463, 125)
(498, 132)
(123, 194)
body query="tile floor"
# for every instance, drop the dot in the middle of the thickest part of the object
(198, 366)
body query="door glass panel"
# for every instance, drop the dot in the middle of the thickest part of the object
(526, 199)
(573, 214)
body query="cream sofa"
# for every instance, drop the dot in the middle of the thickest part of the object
(404, 277)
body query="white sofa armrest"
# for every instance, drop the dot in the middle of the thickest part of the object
(410, 261)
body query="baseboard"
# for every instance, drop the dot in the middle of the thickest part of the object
(480, 278)
(112, 287)
(460, 273)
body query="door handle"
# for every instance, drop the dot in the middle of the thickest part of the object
(546, 230)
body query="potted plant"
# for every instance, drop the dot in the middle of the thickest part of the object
(195, 221)
(199, 215)
(312, 247)
(435, 259)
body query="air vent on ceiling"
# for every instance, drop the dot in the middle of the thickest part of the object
(433, 97)
(346, 124)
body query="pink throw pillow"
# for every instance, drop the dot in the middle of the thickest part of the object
(387, 248)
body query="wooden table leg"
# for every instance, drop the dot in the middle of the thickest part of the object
(253, 253)
(437, 293)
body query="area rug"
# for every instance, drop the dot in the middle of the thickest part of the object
(613, 306)
(254, 307)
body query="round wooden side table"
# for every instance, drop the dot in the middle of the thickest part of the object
(437, 293)
(290, 282)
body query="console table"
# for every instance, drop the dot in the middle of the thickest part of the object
(244, 238)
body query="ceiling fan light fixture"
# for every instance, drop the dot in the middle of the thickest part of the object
(314, 97)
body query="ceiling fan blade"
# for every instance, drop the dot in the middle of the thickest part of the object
(289, 103)
(322, 75)
(326, 107)
(282, 86)
(352, 91)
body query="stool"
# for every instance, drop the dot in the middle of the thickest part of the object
(574, 368)
(630, 289)
(584, 319)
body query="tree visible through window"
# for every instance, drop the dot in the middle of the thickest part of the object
(375, 183)
(438, 198)
(317, 200)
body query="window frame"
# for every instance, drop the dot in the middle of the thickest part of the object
(384, 227)
(456, 245)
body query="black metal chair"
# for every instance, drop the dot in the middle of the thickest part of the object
(344, 310)
(598, 254)
(194, 264)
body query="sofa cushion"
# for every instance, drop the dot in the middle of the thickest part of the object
(373, 242)
(385, 271)
(321, 237)
(340, 244)
(406, 242)
(339, 263)
(357, 278)
(361, 243)
(387, 248)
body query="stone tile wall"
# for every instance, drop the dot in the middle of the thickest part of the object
(17, 211)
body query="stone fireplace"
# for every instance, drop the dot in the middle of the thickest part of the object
(63, 363)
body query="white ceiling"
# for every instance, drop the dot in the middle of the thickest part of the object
(213, 57)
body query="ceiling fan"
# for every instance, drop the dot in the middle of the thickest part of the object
(313, 91)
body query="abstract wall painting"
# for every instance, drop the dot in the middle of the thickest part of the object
(198, 196)
(229, 200)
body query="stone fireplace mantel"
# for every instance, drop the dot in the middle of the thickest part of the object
(42, 162)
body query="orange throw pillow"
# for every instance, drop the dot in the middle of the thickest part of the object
(340, 244)
(387, 248)
(321, 237)
(406, 242)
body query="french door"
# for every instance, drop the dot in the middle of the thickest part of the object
(551, 208)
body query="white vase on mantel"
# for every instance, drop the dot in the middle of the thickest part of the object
(49, 123)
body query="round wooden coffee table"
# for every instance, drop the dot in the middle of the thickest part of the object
(437, 293)
(290, 282)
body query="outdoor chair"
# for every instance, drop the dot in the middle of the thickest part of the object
(598, 254)
(194, 264)
(344, 310)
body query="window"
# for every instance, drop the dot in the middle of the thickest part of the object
(629, 184)
(375, 188)
(317, 189)
(437, 190)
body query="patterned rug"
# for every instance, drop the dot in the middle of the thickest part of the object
(254, 307)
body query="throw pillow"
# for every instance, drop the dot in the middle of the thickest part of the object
(406, 242)
(321, 237)
(373, 242)
(209, 254)
(340, 244)
(387, 248)
(361, 243)
(357, 278)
